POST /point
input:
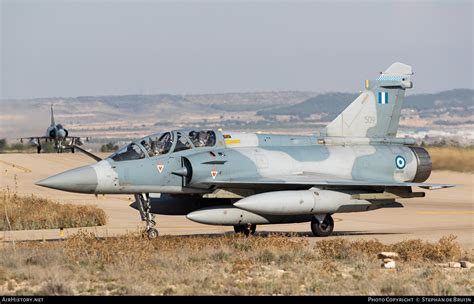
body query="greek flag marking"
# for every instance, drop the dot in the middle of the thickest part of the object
(382, 98)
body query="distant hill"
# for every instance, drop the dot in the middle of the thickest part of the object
(457, 102)
(136, 115)
(94, 108)
(165, 104)
(126, 99)
(327, 103)
(139, 104)
(249, 101)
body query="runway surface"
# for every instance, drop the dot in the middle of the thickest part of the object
(441, 212)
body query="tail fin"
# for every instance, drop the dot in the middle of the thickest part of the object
(376, 112)
(52, 116)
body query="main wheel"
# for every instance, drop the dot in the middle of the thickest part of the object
(152, 233)
(73, 150)
(322, 229)
(245, 229)
(38, 149)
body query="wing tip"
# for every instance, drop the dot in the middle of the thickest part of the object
(437, 186)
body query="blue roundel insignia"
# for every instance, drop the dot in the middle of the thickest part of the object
(400, 162)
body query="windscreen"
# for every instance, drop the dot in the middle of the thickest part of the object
(129, 152)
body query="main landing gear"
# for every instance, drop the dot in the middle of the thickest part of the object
(245, 229)
(322, 225)
(149, 218)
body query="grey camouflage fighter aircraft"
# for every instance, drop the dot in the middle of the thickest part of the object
(214, 177)
(55, 133)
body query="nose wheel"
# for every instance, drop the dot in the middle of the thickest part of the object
(149, 218)
(152, 233)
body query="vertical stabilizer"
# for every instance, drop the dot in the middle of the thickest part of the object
(376, 112)
(52, 116)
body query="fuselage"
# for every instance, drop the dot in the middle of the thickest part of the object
(56, 132)
(186, 166)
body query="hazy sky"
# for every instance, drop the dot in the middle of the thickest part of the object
(73, 48)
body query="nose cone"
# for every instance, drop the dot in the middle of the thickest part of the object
(82, 180)
(61, 133)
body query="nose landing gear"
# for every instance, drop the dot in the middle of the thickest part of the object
(149, 218)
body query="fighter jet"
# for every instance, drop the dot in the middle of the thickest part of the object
(355, 164)
(57, 134)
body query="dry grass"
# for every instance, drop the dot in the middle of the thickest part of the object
(451, 158)
(410, 250)
(228, 265)
(31, 212)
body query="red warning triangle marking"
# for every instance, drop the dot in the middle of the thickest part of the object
(160, 167)
(214, 173)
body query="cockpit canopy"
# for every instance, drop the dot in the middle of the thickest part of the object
(164, 143)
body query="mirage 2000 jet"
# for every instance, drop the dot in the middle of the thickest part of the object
(355, 164)
(55, 133)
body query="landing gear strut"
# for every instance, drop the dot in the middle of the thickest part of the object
(149, 218)
(245, 229)
(322, 226)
